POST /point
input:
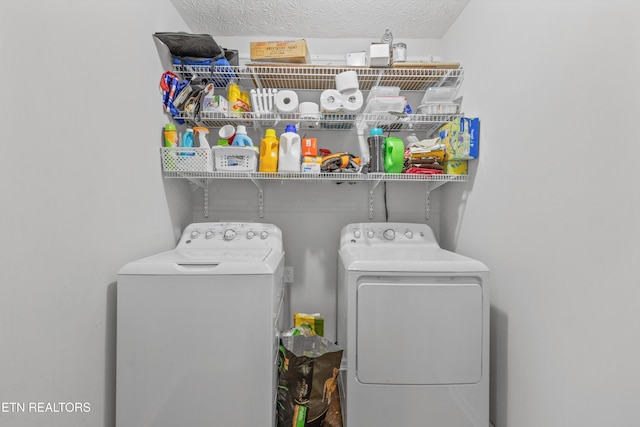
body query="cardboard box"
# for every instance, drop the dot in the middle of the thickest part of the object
(456, 167)
(293, 51)
(379, 55)
(461, 137)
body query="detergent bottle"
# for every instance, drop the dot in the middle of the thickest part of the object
(202, 132)
(170, 135)
(289, 151)
(187, 138)
(376, 150)
(269, 151)
(393, 155)
(242, 139)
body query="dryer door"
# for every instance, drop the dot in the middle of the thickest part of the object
(419, 333)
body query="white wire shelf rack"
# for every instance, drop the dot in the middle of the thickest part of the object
(412, 122)
(195, 165)
(314, 77)
(295, 176)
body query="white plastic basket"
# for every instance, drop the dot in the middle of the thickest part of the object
(230, 158)
(181, 159)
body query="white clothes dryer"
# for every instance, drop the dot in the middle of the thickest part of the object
(413, 321)
(198, 329)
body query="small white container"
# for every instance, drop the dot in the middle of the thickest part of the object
(238, 159)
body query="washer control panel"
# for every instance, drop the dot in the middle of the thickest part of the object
(367, 234)
(236, 234)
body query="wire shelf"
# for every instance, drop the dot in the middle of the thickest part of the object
(295, 176)
(312, 77)
(419, 122)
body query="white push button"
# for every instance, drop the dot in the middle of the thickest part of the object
(209, 234)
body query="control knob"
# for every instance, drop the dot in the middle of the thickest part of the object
(389, 234)
(209, 234)
(195, 234)
(229, 234)
(264, 234)
(251, 235)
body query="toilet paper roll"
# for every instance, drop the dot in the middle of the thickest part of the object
(286, 101)
(309, 110)
(352, 102)
(347, 82)
(330, 101)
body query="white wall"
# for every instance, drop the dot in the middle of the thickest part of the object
(80, 193)
(550, 206)
(553, 204)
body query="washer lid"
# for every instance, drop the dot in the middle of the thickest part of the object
(213, 261)
(402, 259)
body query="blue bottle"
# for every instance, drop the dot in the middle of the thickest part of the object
(242, 139)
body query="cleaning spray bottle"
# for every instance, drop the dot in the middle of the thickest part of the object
(187, 142)
(269, 151)
(202, 133)
(187, 138)
(206, 154)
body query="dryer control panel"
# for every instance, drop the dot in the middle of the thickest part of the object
(396, 233)
(231, 234)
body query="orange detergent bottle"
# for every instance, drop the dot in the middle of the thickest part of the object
(269, 152)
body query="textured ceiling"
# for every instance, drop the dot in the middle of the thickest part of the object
(407, 19)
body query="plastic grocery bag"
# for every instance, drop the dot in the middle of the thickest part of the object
(308, 380)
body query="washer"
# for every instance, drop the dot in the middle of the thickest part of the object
(198, 329)
(413, 321)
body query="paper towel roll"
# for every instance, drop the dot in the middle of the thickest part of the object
(352, 102)
(330, 101)
(286, 101)
(347, 82)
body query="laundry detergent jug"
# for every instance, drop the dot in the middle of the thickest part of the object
(393, 155)
(289, 151)
(269, 152)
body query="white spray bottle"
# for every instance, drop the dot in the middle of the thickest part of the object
(202, 136)
(202, 132)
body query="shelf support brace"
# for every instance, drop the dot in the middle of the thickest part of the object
(372, 187)
(204, 184)
(258, 184)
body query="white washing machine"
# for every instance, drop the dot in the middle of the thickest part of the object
(198, 329)
(413, 320)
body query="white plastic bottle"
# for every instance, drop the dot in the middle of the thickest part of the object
(289, 150)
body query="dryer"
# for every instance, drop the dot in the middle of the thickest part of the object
(198, 329)
(413, 322)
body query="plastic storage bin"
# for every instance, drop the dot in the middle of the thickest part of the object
(182, 159)
(237, 159)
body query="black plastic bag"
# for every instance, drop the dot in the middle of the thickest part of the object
(185, 45)
(308, 380)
